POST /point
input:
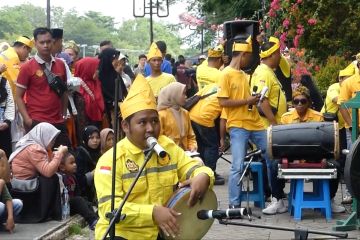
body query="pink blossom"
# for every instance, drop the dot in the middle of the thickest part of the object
(300, 29)
(296, 41)
(275, 5)
(299, 1)
(286, 23)
(317, 68)
(283, 37)
(312, 21)
(272, 13)
(267, 25)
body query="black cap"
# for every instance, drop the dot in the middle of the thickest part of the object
(57, 33)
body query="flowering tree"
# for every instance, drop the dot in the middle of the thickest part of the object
(324, 28)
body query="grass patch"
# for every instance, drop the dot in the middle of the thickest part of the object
(75, 229)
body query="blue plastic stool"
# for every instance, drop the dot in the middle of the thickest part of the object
(257, 194)
(318, 199)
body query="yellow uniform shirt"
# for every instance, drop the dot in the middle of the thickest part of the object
(206, 75)
(155, 186)
(169, 128)
(157, 83)
(265, 76)
(10, 58)
(234, 85)
(332, 93)
(348, 90)
(207, 109)
(293, 117)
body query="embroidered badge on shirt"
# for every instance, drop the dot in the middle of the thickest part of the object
(164, 161)
(131, 166)
(39, 73)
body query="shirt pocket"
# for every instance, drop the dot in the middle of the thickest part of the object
(140, 186)
(168, 183)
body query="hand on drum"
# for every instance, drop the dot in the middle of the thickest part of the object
(199, 186)
(165, 218)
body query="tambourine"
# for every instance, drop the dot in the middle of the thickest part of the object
(190, 226)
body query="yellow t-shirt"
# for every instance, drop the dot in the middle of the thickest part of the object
(333, 92)
(10, 58)
(348, 90)
(157, 83)
(207, 109)
(293, 117)
(234, 85)
(206, 75)
(265, 76)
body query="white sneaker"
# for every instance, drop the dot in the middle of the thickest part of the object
(335, 208)
(276, 206)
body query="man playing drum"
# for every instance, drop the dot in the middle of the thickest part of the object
(145, 211)
(301, 113)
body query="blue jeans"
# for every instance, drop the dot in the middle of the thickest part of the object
(208, 144)
(239, 141)
(17, 207)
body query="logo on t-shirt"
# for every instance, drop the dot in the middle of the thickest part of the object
(131, 166)
(39, 73)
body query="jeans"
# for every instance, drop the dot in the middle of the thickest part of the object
(208, 144)
(17, 207)
(239, 139)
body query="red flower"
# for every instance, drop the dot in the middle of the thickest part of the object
(312, 21)
(286, 23)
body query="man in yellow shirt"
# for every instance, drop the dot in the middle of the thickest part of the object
(203, 117)
(157, 79)
(274, 104)
(301, 113)
(210, 73)
(243, 124)
(12, 58)
(145, 209)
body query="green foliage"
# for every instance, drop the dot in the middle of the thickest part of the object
(328, 74)
(75, 229)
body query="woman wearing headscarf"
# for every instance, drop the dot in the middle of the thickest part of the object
(106, 139)
(86, 158)
(108, 75)
(30, 160)
(174, 120)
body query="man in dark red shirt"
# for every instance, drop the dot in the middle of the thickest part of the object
(42, 103)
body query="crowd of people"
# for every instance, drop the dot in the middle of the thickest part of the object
(57, 120)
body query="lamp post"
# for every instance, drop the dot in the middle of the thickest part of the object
(150, 8)
(48, 13)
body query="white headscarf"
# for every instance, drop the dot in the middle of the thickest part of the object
(42, 134)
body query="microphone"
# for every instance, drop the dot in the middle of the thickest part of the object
(254, 153)
(152, 143)
(255, 88)
(220, 214)
(262, 95)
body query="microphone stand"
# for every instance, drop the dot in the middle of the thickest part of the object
(116, 216)
(244, 173)
(300, 234)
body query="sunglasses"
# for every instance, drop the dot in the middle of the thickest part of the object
(302, 101)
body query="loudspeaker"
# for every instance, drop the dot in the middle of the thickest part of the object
(240, 30)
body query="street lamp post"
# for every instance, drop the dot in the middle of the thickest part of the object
(151, 9)
(48, 13)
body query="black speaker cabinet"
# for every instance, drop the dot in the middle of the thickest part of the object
(240, 30)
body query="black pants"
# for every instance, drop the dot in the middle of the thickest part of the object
(78, 205)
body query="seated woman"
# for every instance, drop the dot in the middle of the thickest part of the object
(106, 139)
(174, 120)
(86, 158)
(31, 160)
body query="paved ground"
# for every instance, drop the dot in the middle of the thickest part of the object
(311, 220)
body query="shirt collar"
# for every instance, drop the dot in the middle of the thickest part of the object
(41, 61)
(306, 117)
(131, 147)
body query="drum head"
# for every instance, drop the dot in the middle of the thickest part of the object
(190, 226)
(352, 170)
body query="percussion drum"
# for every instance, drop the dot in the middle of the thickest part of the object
(311, 141)
(190, 226)
(352, 170)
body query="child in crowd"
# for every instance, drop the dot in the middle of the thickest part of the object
(106, 139)
(86, 158)
(78, 205)
(175, 121)
(9, 208)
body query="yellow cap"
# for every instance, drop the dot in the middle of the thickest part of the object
(154, 51)
(26, 41)
(215, 52)
(301, 90)
(276, 46)
(140, 97)
(349, 71)
(284, 66)
(72, 45)
(243, 47)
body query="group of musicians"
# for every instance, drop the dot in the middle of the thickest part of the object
(247, 116)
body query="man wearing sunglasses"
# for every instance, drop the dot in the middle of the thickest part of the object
(301, 113)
